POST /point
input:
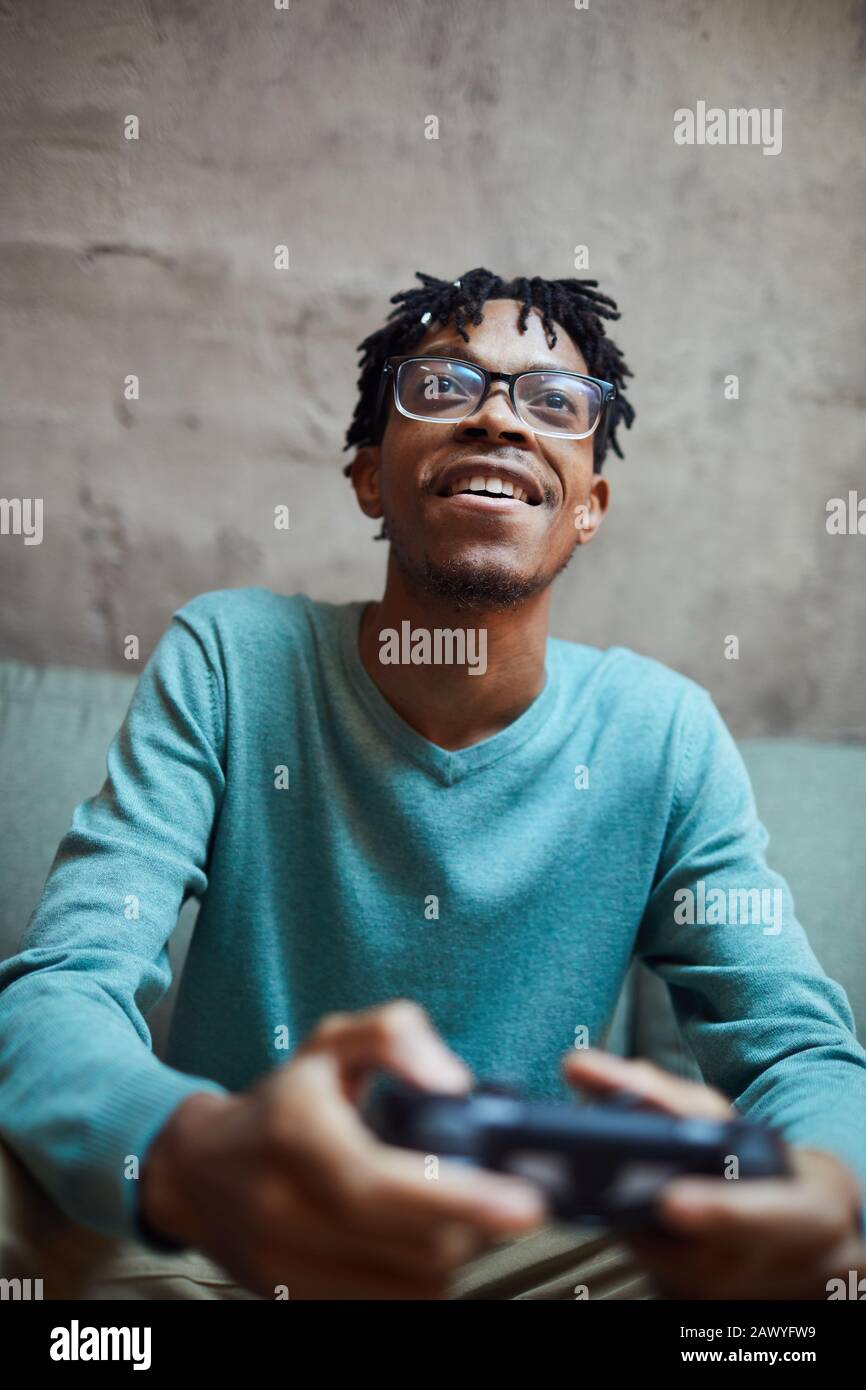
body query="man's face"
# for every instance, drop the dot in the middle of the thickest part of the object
(474, 549)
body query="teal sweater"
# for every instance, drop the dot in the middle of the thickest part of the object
(342, 860)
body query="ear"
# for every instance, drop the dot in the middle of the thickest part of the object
(365, 479)
(590, 514)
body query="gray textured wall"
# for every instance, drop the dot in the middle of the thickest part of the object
(556, 128)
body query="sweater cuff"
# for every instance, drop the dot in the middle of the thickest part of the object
(134, 1110)
(179, 1087)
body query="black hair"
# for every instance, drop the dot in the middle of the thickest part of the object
(577, 305)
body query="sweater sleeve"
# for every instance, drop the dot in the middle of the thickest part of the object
(766, 1024)
(82, 1094)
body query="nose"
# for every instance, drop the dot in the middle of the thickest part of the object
(494, 418)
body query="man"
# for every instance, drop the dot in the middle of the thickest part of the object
(430, 855)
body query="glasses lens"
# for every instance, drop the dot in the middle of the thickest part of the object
(555, 403)
(438, 388)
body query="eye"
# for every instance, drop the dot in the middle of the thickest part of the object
(437, 386)
(445, 388)
(441, 385)
(553, 400)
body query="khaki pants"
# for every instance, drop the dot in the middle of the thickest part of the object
(38, 1242)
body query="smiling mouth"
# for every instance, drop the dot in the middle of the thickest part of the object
(496, 489)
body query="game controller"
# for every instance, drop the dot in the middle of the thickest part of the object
(598, 1163)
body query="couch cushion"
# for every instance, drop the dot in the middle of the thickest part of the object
(55, 727)
(811, 796)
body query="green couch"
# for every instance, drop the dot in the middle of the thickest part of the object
(56, 724)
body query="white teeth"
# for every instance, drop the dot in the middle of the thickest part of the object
(494, 485)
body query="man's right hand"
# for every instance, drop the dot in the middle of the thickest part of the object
(286, 1187)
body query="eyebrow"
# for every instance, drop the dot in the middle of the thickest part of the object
(536, 365)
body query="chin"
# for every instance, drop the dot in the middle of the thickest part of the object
(473, 584)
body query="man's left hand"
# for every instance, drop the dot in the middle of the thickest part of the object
(750, 1238)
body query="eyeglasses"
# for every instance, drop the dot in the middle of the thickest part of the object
(446, 390)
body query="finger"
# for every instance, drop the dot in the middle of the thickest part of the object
(698, 1266)
(403, 1195)
(377, 1231)
(432, 1250)
(338, 1160)
(594, 1070)
(788, 1213)
(397, 1037)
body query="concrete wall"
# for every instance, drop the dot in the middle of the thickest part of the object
(306, 127)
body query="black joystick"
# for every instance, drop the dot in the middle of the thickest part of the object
(602, 1162)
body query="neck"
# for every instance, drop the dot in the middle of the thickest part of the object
(444, 702)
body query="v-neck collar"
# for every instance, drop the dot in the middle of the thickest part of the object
(446, 765)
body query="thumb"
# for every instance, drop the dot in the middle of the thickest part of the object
(397, 1037)
(602, 1073)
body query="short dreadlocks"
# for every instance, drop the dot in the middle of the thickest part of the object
(576, 305)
